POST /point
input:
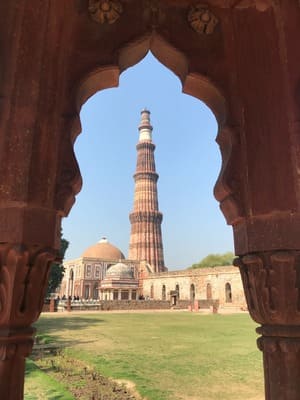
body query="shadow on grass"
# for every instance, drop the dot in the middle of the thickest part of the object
(54, 327)
(60, 322)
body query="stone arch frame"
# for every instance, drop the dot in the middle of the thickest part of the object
(177, 289)
(192, 292)
(163, 292)
(266, 238)
(228, 293)
(194, 84)
(209, 291)
(152, 291)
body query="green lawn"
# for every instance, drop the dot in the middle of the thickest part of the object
(176, 355)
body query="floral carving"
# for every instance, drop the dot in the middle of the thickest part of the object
(23, 280)
(202, 20)
(105, 11)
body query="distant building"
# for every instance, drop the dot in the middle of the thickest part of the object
(84, 275)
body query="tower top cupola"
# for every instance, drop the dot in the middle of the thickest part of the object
(145, 127)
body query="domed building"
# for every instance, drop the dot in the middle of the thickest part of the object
(103, 250)
(83, 275)
(119, 283)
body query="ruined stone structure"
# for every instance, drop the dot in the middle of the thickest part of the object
(146, 239)
(241, 57)
(221, 284)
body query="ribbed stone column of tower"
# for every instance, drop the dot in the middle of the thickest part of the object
(146, 239)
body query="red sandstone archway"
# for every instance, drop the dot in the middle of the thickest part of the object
(48, 48)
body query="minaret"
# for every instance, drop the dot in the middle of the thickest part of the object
(145, 239)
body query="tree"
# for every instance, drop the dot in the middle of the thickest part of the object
(214, 260)
(57, 269)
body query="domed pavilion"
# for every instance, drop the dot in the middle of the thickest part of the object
(119, 283)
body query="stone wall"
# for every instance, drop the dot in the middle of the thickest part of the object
(118, 305)
(217, 278)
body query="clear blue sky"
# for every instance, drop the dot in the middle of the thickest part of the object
(187, 160)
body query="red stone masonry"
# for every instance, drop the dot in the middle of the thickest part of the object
(146, 239)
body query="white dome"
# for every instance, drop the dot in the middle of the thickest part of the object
(120, 270)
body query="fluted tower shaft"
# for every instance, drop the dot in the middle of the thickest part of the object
(146, 239)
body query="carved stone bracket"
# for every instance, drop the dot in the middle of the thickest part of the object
(271, 283)
(202, 20)
(225, 190)
(105, 11)
(23, 280)
(69, 179)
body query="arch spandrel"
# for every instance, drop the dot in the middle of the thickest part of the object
(194, 84)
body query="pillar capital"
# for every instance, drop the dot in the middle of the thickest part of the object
(24, 277)
(22, 268)
(271, 281)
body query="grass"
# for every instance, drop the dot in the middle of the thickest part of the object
(40, 386)
(179, 355)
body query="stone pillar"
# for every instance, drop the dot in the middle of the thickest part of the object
(272, 287)
(130, 294)
(69, 307)
(52, 305)
(22, 269)
(119, 294)
(196, 305)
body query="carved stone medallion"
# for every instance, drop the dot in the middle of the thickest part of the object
(202, 20)
(105, 11)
